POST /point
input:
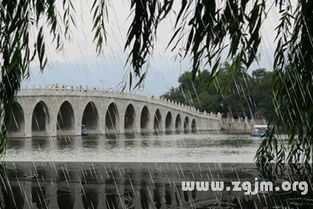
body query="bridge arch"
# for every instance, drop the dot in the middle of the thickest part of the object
(178, 124)
(66, 119)
(112, 119)
(168, 122)
(90, 119)
(40, 119)
(186, 124)
(193, 126)
(144, 119)
(16, 127)
(50, 101)
(157, 122)
(129, 119)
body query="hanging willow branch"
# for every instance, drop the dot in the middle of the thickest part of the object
(207, 29)
(142, 33)
(211, 27)
(100, 14)
(18, 19)
(293, 87)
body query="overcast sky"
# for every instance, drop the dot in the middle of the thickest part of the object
(78, 62)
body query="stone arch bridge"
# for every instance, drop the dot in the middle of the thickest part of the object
(52, 112)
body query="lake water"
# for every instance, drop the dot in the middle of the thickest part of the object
(205, 147)
(142, 172)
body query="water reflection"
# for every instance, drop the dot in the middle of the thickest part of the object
(157, 195)
(140, 186)
(90, 197)
(168, 195)
(65, 142)
(39, 188)
(65, 199)
(157, 142)
(16, 198)
(39, 143)
(131, 147)
(145, 143)
(16, 144)
(65, 189)
(90, 189)
(129, 143)
(111, 141)
(111, 193)
(39, 197)
(144, 195)
(129, 189)
(130, 136)
(111, 136)
(90, 142)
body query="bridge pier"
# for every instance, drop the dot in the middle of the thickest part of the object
(137, 122)
(150, 125)
(120, 126)
(101, 108)
(28, 125)
(52, 124)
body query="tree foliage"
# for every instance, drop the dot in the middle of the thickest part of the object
(293, 87)
(206, 29)
(234, 94)
(19, 21)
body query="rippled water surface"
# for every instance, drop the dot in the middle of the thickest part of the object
(140, 172)
(205, 147)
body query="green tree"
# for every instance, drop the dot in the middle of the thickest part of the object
(233, 93)
(262, 93)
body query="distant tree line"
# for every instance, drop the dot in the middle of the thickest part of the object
(234, 92)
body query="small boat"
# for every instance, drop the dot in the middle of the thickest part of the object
(259, 130)
(84, 131)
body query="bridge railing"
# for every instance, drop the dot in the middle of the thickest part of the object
(95, 92)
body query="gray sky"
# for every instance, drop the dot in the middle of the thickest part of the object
(78, 62)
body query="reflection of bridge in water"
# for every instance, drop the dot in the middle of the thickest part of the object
(51, 112)
(123, 185)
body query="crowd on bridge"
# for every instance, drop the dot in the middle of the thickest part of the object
(80, 87)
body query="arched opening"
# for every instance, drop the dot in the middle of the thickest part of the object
(39, 190)
(65, 199)
(193, 126)
(90, 198)
(90, 119)
(157, 195)
(65, 195)
(186, 125)
(66, 119)
(168, 123)
(168, 195)
(178, 126)
(16, 127)
(111, 119)
(144, 119)
(157, 121)
(14, 198)
(129, 120)
(40, 119)
(39, 196)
